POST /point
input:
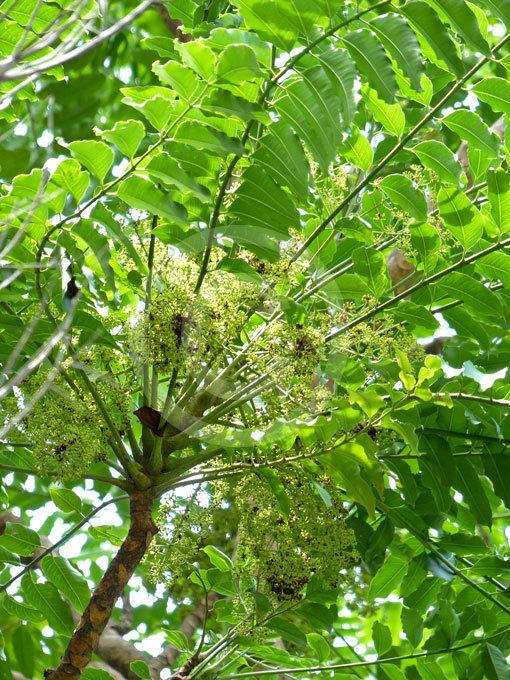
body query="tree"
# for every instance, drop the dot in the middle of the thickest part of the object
(254, 339)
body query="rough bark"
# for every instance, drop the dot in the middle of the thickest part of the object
(97, 614)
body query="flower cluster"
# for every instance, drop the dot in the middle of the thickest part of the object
(378, 340)
(186, 526)
(64, 428)
(179, 328)
(286, 550)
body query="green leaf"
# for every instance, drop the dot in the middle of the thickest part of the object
(95, 674)
(438, 469)
(495, 267)
(357, 150)
(358, 471)
(341, 70)
(400, 190)
(381, 635)
(277, 487)
(370, 264)
(218, 558)
(471, 128)
(204, 137)
(495, 92)
(372, 63)
(412, 625)
(269, 20)
(155, 103)
(24, 650)
(388, 578)
(66, 500)
(462, 19)
(440, 159)
(126, 135)
(469, 484)
(319, 646)
(491, 566)
(391, 116)
(497, 469)
(68, 581)
(177, 639)
(415, 575)
(392, 672)
(460, 216)
(500, 9)
(167, 170)
(495, 664)
(72, 178)
(241, 269)
(141, 669)
(498, 184)
(368, 400)
(220, 38)
(426, 23)
(472, 293)
(426, 241)
(95, 156)
(21, 610)
(463, 544)
(416, 316)
(20, 540)
(221, 582)
(115, 231)
(402, 45)
(287, 630)
(223, 103)
(113, 535)
(181, 79)
(466, 325)
(198, 56)
(281, 155)
(262, 214)
(309, 103)
(141, 193)
(99, 245)
(238, 63)
(45, 597)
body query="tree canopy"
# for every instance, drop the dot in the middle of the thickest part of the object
(254, 339)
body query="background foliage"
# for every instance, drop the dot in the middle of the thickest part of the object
(282, 225)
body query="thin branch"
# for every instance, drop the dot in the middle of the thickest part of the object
(78, 213)
(463, 262)
(400, 146)
(69, 534)
(439, 556)
(466, 435)
(121, 484)
(262, 99)
(148, 296)
(45, 64)
(475, 397)
(362, 664)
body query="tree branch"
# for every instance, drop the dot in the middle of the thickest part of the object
(95, 618)
(463, 262)
(69, 534)
(401, 145)
(44, 64)
(361, 664)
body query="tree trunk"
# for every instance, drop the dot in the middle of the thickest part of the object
(97, 614)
